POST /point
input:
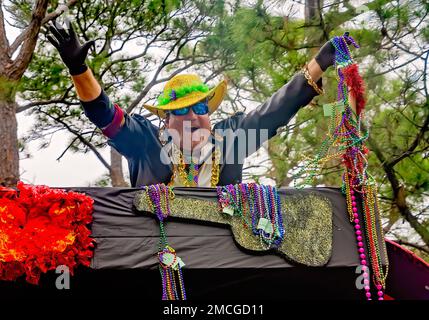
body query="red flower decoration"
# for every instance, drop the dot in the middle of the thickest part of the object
(42, 228)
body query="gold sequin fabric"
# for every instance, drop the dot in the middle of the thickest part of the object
(307, 222)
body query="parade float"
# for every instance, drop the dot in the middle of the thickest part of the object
(236, 241)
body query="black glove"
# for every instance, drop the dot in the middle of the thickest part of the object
(326, 55)
(71, 51)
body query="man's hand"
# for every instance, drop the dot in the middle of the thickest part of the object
(71, 51)
(326, 55)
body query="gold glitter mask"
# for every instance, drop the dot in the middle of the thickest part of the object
(307, 220)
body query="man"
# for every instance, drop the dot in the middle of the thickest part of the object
(198, 155)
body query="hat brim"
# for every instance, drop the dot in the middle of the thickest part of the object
(215, 97)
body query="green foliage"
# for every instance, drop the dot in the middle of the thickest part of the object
(36, 84)
(251, 38)
(104, 181)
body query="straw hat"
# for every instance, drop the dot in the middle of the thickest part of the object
(184, 90)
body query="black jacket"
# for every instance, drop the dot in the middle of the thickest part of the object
(138, 141)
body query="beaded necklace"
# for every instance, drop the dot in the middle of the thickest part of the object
(261, 203)
(190, 178)
(345, 135)
(158, 197)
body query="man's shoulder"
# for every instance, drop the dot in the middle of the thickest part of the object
(232, 122)
(141, 120)
(138, 117)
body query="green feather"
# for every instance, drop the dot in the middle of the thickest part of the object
(181, 92)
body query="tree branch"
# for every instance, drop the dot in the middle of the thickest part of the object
(343, 17)
(31, 34)
(81, 139)
(51, 16)
(155, 79)
(417, 140)
(399, 194)
(43, 103)
(4, 43)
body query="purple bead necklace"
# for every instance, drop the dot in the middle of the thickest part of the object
(170, 265)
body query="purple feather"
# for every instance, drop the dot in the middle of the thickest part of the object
(173, 95)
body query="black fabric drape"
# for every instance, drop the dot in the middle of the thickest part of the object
(128, 239)
(125, 263)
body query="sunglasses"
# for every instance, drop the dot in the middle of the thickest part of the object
(199, 108)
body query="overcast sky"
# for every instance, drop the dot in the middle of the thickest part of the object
(43, 168)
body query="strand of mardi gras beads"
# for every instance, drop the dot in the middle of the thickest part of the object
(265, 238)
(355, 171)
(356, 164)
(261, 203)
(190, 178)
(158, 197)
(345, 135)
(354, 159)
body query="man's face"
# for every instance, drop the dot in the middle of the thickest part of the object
(190, 131)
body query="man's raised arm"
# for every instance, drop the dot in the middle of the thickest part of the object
(73, 55)
(87, 87)
(279, 109)
(95, 102)
(125, 133)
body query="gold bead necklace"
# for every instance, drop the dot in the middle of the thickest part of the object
(180, 170)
